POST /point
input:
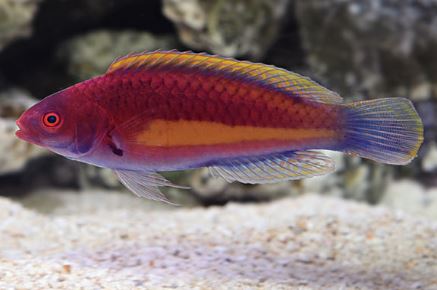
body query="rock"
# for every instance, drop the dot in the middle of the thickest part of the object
(16, 19)
(91, 54)
(15, 153)
(230, 28)
(373, 48)
(311, 242)
(410, 196)
(429, 161)
(214, 190)
(14, 102)
(354, 178)
(95, 177)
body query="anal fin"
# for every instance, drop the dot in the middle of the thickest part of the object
(274, 168)
(146, 184)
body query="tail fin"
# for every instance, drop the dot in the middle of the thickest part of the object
(385, 130)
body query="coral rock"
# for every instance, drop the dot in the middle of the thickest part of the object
(15, 153)
(230, 28)
(16, 19)
(91, 54)
(380, 48)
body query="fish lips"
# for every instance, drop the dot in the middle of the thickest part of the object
(24, 135)
(21, 135)
(20, 132)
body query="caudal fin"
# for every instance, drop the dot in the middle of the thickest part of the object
(385, 130)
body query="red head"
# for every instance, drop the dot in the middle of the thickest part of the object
(65, 122)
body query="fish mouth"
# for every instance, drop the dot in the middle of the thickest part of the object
(21, 134)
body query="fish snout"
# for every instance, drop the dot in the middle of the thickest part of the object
(19, 131)
(22, 133)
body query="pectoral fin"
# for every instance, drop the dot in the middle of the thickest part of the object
(145, 184)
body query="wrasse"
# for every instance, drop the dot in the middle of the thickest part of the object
(246, 122)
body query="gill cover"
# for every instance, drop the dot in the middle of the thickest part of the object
(90, 127)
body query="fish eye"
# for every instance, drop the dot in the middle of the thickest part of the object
(51, 119)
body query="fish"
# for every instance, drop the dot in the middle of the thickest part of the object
(247, 122)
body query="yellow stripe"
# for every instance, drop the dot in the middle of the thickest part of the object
(185, 133)
(189, 59)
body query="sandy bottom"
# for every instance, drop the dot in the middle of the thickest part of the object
(311, 242)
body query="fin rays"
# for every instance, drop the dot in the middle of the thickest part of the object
(270, 169)
(145, 184)
(385, 130)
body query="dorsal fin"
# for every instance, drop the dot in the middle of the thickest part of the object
(280, 79)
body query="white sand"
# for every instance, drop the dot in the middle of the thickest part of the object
(307, 243)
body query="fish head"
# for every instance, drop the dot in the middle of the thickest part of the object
(64, 123)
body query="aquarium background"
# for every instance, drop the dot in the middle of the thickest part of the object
(360, 49)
